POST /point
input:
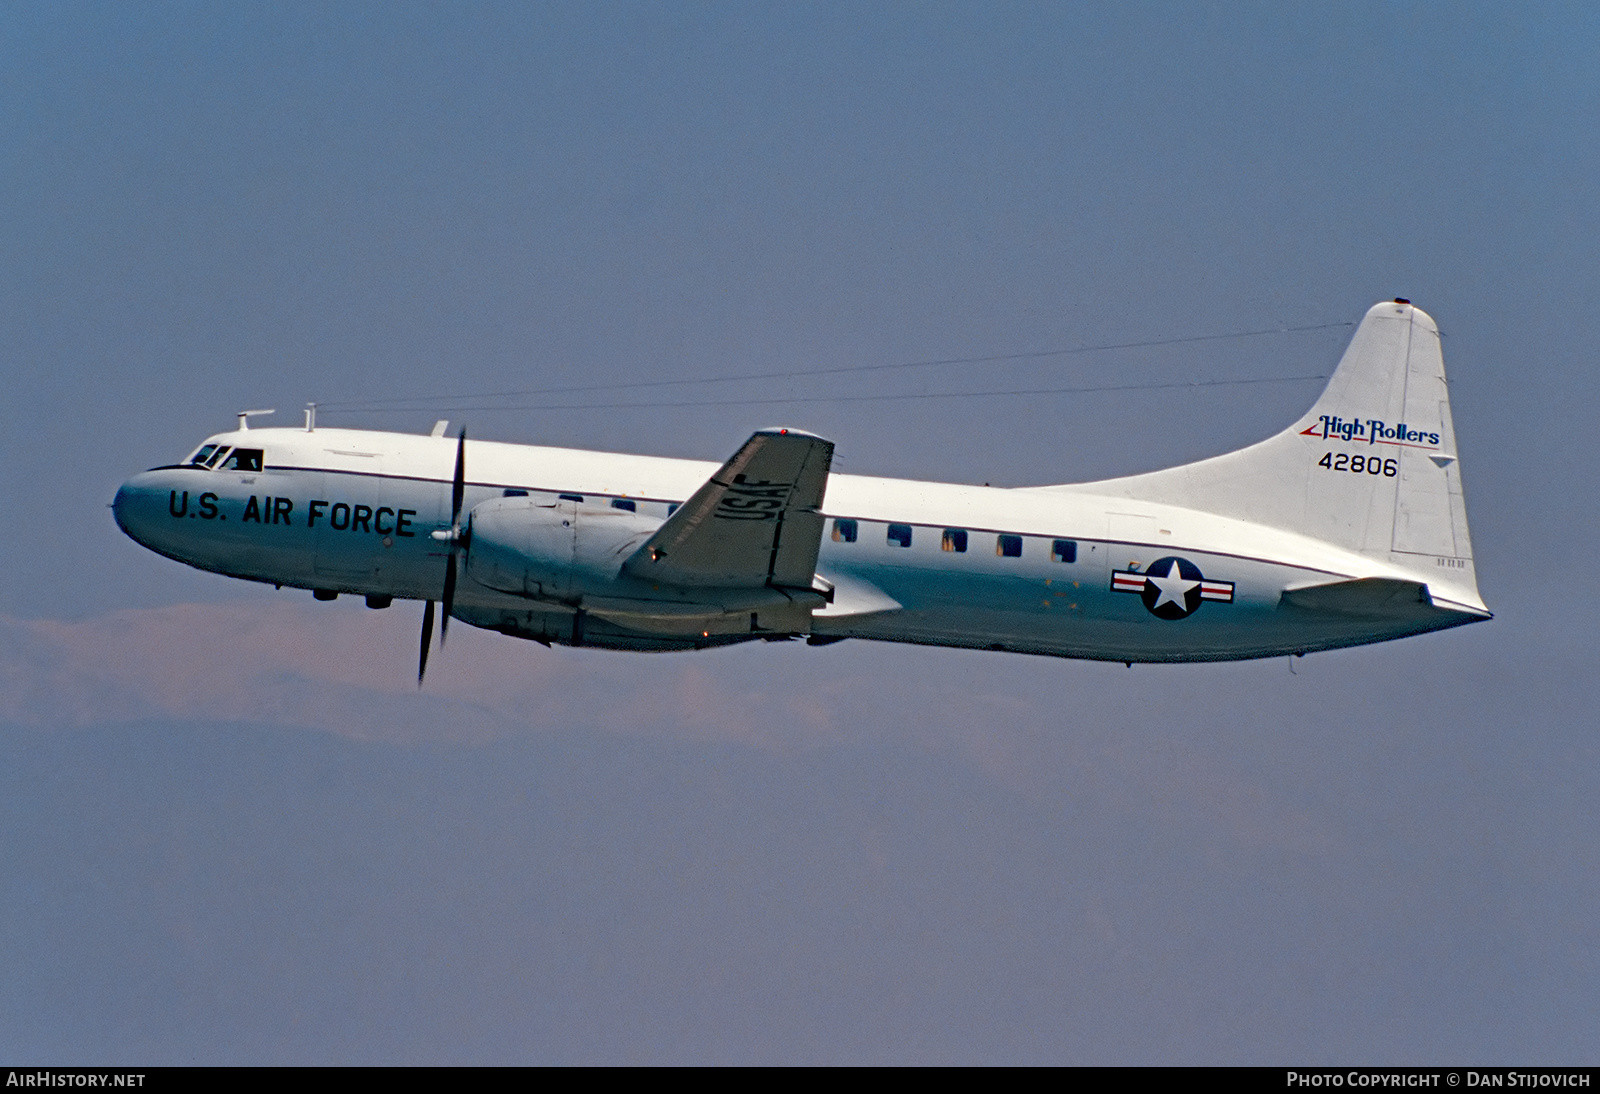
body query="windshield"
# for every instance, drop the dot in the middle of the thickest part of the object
(221, 457)
(242, 459)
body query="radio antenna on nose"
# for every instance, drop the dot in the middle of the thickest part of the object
(246, 415)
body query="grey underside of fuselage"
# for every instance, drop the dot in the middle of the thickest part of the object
(1086, 639)
(1028, 604)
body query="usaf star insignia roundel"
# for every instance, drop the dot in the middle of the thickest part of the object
(1171, 588)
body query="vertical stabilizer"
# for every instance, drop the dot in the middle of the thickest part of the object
(1372, 467)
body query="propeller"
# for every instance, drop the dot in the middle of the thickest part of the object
(427, 640)
(455, 537)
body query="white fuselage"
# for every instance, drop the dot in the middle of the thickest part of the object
(1031, 570)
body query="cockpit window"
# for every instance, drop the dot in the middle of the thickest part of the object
(206, 452)
(216, 457)
(243, 459)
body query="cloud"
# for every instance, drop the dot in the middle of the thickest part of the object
(1060, 734)
(346, 670)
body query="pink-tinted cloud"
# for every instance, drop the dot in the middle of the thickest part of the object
(346, 671)
(342, 669)
(353, 672)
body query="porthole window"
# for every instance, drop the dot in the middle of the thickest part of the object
(624, 503)
(844, 531)
(900, 535)
(955, 539)
(1064, 550)
(1008, 546)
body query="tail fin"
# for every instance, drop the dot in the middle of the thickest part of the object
(1371, 467)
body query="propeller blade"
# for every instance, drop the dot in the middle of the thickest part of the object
(459, 488)
(458, 493)
(449, 595)
(427, 640)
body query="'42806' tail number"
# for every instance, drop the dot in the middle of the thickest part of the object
(1359, 465)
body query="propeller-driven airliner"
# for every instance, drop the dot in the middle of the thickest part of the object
(1349, 527)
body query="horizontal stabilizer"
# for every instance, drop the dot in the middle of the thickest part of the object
(1369, 597)
(756, 522)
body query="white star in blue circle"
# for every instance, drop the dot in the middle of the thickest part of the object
(1174, 587)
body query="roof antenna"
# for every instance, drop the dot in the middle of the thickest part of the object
(311, 417)
(439, 427)
(246, 415)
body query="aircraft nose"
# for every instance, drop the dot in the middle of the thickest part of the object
(136, 507)
(120, 506)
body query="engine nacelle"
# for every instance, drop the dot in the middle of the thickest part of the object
(552, 550)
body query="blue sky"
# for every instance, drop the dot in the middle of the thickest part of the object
(233, 831)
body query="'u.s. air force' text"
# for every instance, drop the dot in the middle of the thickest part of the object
(338, 515)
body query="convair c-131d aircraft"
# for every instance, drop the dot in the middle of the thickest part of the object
(1346, 528)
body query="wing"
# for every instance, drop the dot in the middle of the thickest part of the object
(756, 522)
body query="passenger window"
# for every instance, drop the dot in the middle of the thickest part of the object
(199, 458)
(243, 459)
(570, 497)
(672, 508)
(624, 503)
(510, 493)
(955, 539)
(844, 531)
(1008, 546)
(900, 535)
(1064, 550)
